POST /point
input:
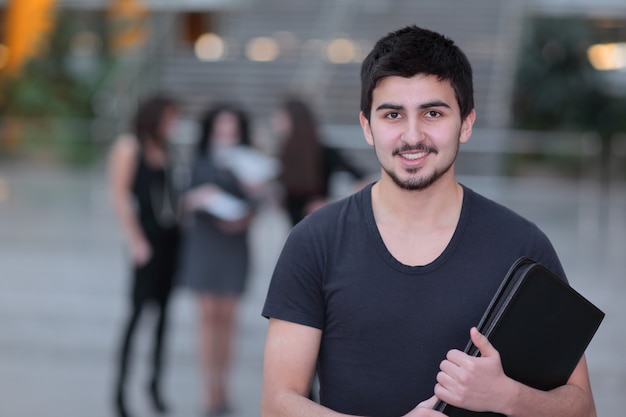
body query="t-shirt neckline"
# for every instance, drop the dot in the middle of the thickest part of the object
(419, 269)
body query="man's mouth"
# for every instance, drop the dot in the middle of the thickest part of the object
(414, 155)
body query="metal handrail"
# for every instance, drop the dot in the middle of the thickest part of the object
(132, 77)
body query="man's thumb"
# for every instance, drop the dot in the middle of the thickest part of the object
(429, 403)
(482, 343)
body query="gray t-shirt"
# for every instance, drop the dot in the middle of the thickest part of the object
(387, 326)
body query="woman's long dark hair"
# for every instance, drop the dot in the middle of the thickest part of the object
(208, 123)
(149, 118)
(301, 154)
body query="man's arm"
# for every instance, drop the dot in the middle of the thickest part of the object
(573, 399)
(289, 365)
(480, 384)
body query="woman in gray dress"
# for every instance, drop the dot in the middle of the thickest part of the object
(215, 253)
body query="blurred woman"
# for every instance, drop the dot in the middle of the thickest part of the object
(218, 208)
(307, 164)
(142, 198)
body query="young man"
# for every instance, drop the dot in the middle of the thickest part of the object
(378, 292)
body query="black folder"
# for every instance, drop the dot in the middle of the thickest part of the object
(540, 326)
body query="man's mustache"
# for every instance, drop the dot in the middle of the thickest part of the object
(416, 148)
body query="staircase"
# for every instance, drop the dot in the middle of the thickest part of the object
(487, 30)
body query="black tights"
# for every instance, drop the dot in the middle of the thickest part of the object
(157, 355)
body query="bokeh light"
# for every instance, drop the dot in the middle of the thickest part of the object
(262, 49)
(210, 47)
(607, 56)
(341, 51)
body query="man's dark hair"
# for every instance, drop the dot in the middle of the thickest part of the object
(411, 51)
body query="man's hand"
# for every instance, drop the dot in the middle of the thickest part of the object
(425, 409)
(474, 383)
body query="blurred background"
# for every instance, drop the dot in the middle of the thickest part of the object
(550, 142)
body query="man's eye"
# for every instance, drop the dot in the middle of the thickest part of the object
(393, 115)
(433, 114)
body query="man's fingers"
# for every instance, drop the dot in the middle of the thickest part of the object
(429, 403)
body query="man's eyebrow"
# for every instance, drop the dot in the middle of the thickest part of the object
(427, 105)
(436, 103)
(389, 106)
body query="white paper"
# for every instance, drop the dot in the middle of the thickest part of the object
(226, 206)
(249, 165)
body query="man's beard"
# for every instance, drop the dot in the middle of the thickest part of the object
(417, 183)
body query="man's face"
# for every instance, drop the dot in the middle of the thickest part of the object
(415, 128)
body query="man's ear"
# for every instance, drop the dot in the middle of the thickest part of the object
(367, 130)
(466, 127)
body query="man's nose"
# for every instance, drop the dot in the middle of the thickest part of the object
(413, 132)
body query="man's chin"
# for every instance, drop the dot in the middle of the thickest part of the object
(417, 182)
(415, 185)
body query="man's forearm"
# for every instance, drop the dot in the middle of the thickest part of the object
(293, 404)
(565, 401)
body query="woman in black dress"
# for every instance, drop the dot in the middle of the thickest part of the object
(143, 202)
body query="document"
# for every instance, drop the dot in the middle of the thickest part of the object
(540, 326)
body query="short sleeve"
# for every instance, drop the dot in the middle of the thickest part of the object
(295, 291)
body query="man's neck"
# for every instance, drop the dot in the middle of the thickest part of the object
(417, 226)
(430, 207)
